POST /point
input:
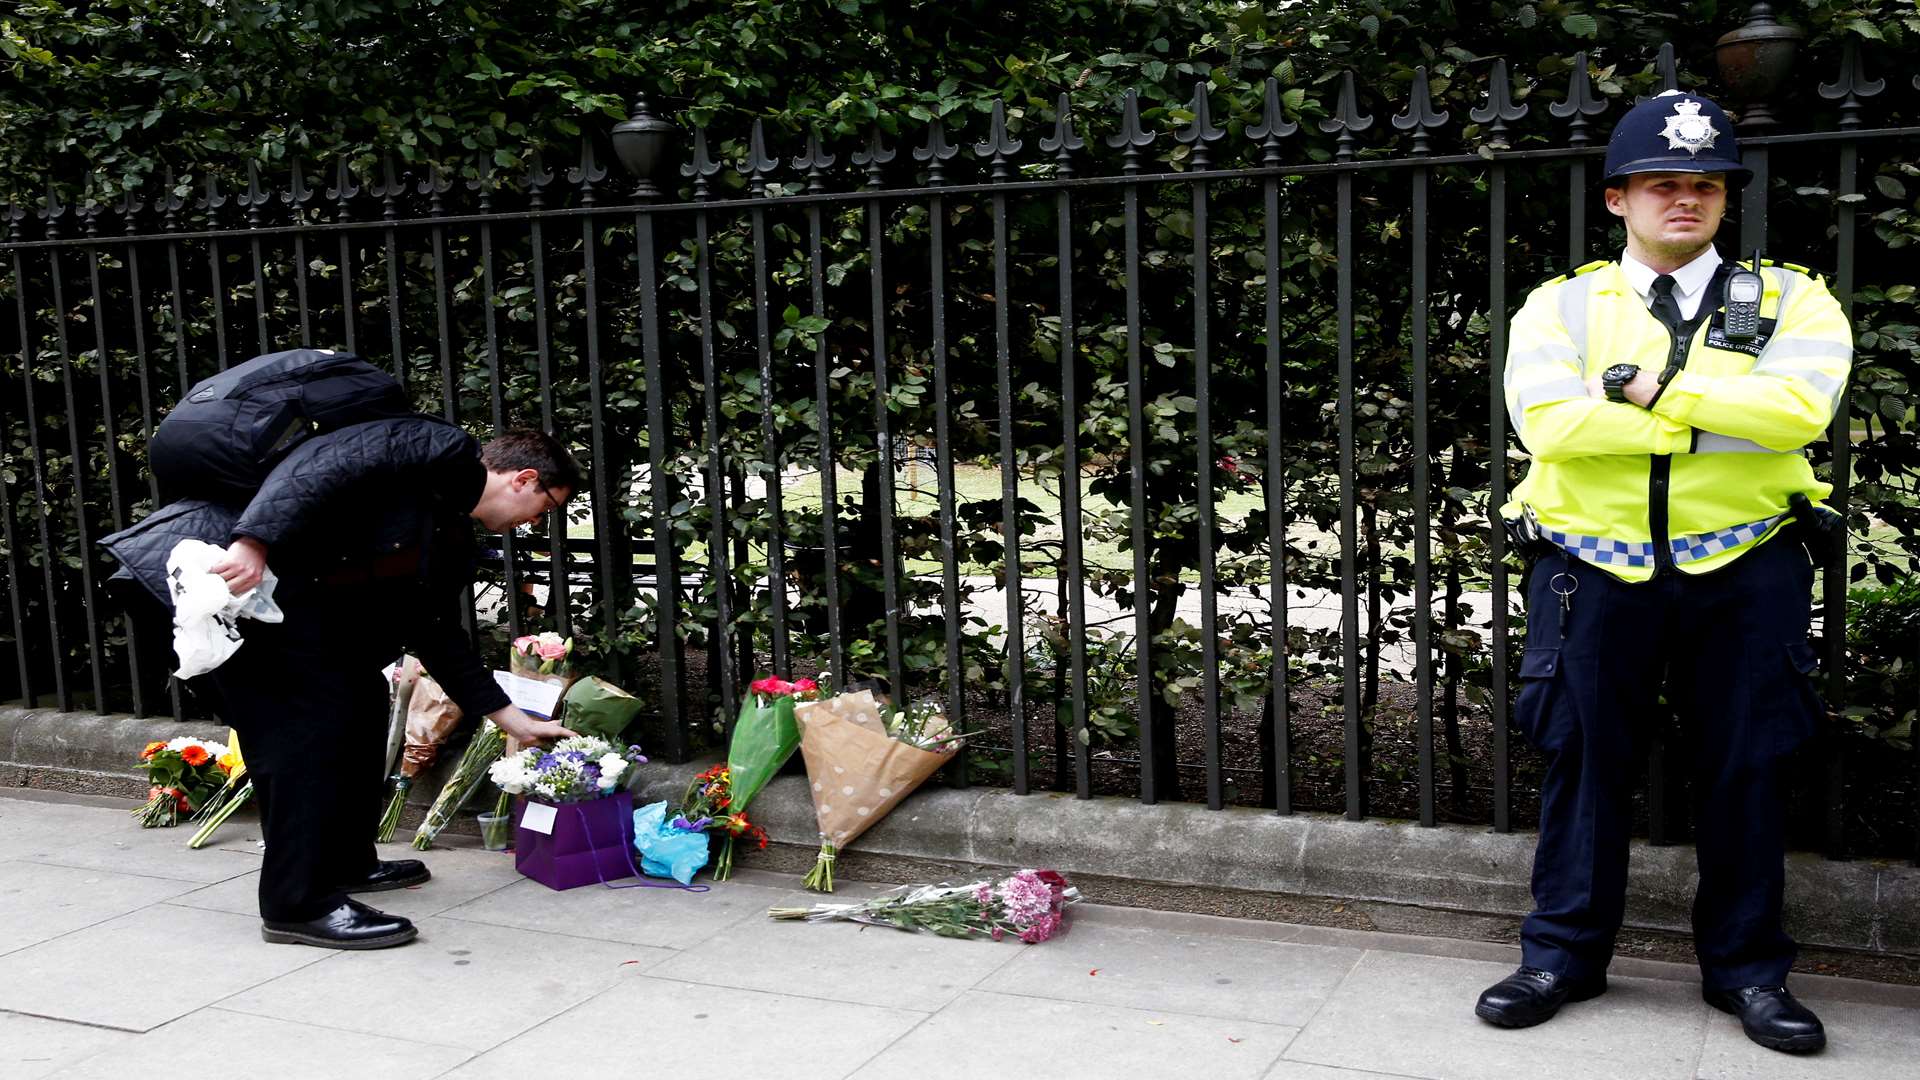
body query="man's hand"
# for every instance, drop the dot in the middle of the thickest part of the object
(525, 729)
(246, 561)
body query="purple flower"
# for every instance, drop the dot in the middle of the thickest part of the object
(634, 755)
(574, 756)
(680, 822)
(590, 775)
(547, 761)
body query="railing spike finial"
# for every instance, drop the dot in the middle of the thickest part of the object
(1201, 130)
(1346, 119)
(344, 189)
(129, 210)
(52, 212)
(999, 145)
(1131, 139)
(1273, 125)
(388, 189)
(211, 200)
(1580, 102)
(759, 164)
(1064, 140)
(589, 172)
(1500, 110)
(875, 155)
(936, 153)
(483, 181)
(536, 178)
(170, 202)
(701, 166)
(814, 161)
(1668, 68)
(435, 185)
(1851, 85)
(253, 198)
(297, 194)
(13, 215)
(89, 213)
(1421, 116)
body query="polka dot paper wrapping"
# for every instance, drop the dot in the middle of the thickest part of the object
(856, 770)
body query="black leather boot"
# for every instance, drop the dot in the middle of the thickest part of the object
(399, 874)
(1531, 996)
(1771, 1017)
(352, 925)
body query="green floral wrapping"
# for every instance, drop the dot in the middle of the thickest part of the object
(764, 737)
(596, 707)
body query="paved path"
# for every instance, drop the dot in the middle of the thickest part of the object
(124, 953)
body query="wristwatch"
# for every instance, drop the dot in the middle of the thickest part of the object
(1616, 378)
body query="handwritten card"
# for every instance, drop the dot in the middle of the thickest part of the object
(533, 696)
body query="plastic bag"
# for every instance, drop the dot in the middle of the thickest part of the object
(595, 706)
(664, 850)
(764, 737)
(206, 613)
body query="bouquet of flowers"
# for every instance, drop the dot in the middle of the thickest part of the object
(541, 654)
(182, 774)
(431, 719)
(1030, 905)
(861, 764)
(765, 734)
(481, 754)
(577, 769)
(709, 806)
(231, 796)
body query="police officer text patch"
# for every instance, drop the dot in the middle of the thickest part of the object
(1717, 336)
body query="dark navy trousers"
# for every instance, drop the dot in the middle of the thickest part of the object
(1729, 650)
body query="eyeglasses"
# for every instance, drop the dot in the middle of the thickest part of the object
(553, 502)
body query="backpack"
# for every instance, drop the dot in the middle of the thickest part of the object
(229, 432)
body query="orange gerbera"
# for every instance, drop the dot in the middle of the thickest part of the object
(152, 749)
(195, 755)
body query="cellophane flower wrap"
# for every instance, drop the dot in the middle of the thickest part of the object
(431, 720)
(709, 806)
(1030, 905)
(765, 734)
(232, 795)
(579, 768)
(183, 775)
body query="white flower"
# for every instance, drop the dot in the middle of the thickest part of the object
(612, 765)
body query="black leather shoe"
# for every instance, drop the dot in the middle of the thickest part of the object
(399, 874)
(1531, 996)
(352, 925)
(1771, 1017)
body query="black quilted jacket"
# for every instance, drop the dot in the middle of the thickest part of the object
(375, 513)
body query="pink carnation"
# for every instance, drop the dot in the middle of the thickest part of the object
(1042, 930)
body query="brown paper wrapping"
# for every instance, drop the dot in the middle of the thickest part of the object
(431, 719)
(858, 772)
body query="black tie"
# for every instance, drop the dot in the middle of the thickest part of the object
(1664, 306)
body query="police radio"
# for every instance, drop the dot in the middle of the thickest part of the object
(1743, 290)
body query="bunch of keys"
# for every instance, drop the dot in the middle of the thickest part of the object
(1565, 593)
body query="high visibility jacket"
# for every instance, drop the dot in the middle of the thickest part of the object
(1706, 473)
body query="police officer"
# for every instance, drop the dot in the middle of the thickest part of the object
(1665, 399)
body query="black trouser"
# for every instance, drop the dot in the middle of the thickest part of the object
(1730, 651)
(309, 702)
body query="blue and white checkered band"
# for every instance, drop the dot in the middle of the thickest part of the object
(1603, 552)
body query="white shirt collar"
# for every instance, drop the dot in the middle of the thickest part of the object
(1687, 280)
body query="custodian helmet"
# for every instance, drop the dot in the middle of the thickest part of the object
(1675, 132)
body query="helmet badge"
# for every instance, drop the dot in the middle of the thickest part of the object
(1687, 130)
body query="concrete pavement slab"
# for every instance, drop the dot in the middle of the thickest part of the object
(1401, 1013)
(30, 826)
(39, 901)
(32, 1048)
(987, 1034)
(159, 853)
(258, 1046)
(457, 879)
(869, 965)
(679, 1026)
(665, 918)
(1300, 1070)
(1864, 1042)
(143, 969)
(461, 984)
(1269, 982)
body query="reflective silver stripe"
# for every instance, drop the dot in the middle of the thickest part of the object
(1563, 389)
(1573, 312)
(1712, 442)
(1823, 382)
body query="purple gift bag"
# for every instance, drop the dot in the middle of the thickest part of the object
(590, 842)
